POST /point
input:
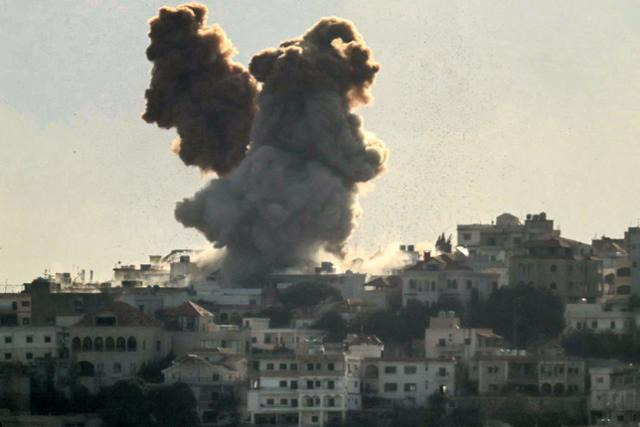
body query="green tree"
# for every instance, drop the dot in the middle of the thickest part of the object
(443, 244)
(278, 316)
(522, 314)
(304, 296)
(124, 404)
(334, 324)
(173, 405)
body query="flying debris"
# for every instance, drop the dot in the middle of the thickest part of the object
(295, 192)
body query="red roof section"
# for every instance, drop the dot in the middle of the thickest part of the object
(125, 315)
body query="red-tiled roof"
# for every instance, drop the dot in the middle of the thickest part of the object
(187, 309)
(125, 315)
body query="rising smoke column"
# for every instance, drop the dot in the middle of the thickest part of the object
(198, 89)
(296, 190)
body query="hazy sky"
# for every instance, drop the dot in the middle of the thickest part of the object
(486, 106)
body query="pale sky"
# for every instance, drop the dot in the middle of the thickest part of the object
(486, 106)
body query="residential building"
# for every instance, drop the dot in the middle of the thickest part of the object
(265, 338)
(564, 267)
(616, 265)
(598, 318)
(15, 309)
(615, 394)
(444, 338)
(497, 242)
(302, 390)
(632, 243)
(218, 382)
(444, 278)
(26, 344)
(407, 381)
(523, 372)
(114, 342)
(350, 285)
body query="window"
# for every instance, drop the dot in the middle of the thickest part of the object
(29, 339)
(314, 419)
(408, 370)
(7, 356)
(553, 268)
(26, 321)
(283, 366)
(294, 384)
(117, 368)
(469, 284)
(105, 321)
(594, 324)
(309, 385)
(283, 383)
(467, 341)
(553, 285)
(331, 366)
(215, 377)
(613, 324)
(270, 402)
(293, 367)
(442, 342)
(331, 402)
(29, 356)
(254, 340)
(466, 236)
(8, 340)
(390, 370)
(442, 372)
(14, 305)
(25, 303)
(331, 385)
(318, 366)
(309, 366)
(270, 366)
(47, 338)
(283, 401)
(390, 387)
(412, 284)
(294, 403)
(158, 345)
(121, 344)
(409, 387)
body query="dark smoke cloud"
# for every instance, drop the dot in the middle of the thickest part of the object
(198, 89)
(296, 190)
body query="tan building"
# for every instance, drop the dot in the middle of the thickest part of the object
(214, 377)
(114, 343)
(564, 267)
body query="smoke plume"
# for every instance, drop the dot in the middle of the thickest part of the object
(296, 190)
(198, 89)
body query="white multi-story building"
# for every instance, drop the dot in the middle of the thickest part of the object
(407, 381)
(615, 393)
(597, 318)
(302, 390)
(213, 377)
(446, 277)
(632, 243)
(26, 344)
(268, 339)
(444, 338)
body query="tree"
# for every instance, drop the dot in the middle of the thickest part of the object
(151, 372)
(307, 295)
(124, 404)
(334, 324)
(173, 405)
(443, 244)
(278, 316)
(522, 314)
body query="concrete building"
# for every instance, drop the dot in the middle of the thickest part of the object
(407, 381)
(302, 390)
(15, 309)
(27, 344)
(564, 267)
(616, 265)
(522, 372)
(446, 277)
(350, 285)
(632, 243)
(444, 338)
(114, 342)
(265, 338)
(615, 394)
(215, 378)
(599, 318)
(498, 241)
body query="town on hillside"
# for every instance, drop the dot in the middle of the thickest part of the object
(507, 323)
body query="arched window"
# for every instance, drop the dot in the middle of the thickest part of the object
(98, 344)
(76, 344)
(132, 345)
(87, 344)
(110, 344)
(121, 344)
